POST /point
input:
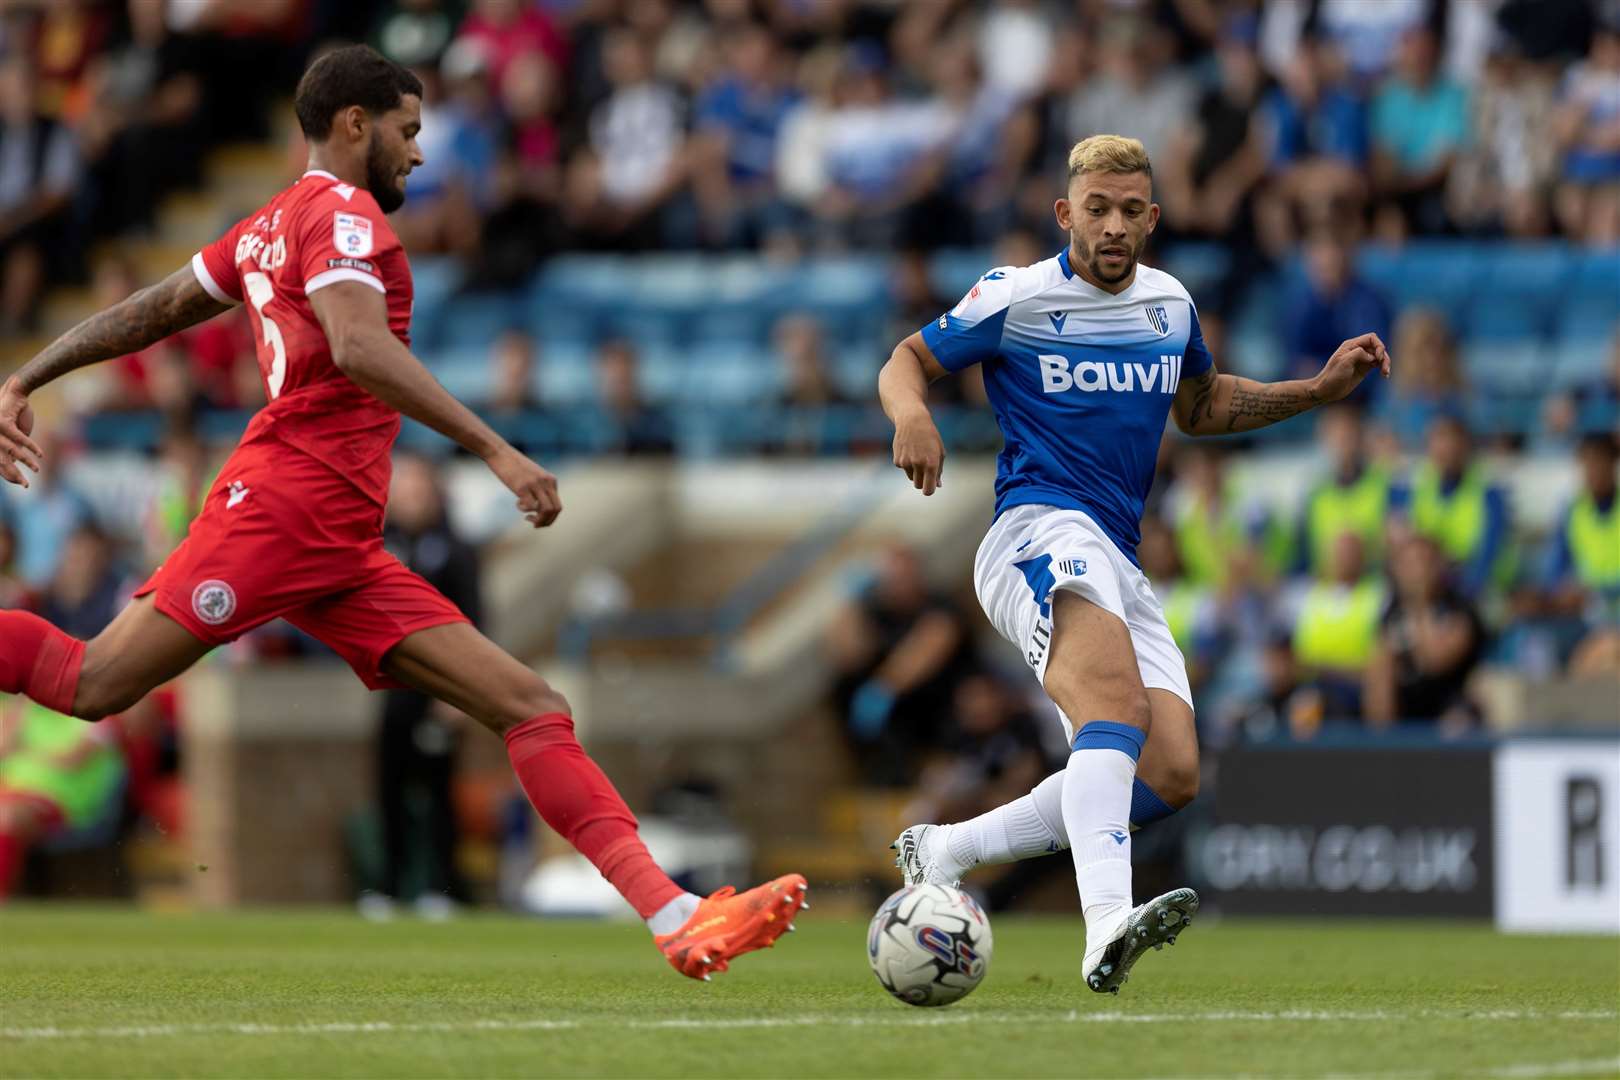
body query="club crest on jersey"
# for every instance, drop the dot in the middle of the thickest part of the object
(213, 601)
(1158, 318)
(351, 234)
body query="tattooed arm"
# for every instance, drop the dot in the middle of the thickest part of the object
(150, 315)
(1216, 404)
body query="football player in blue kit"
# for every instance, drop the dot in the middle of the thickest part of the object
(1084, 356)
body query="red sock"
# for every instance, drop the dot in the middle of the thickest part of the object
(39, 660)
(11, 859)
(580, 803)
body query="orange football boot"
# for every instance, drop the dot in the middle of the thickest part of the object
(728, 924)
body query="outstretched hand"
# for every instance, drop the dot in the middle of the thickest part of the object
(16, 425)
(1351, 362)
(535, 488)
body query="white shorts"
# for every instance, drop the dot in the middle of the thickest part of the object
(1033, 551)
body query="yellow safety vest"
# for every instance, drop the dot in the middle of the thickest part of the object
(1594, 543)
(1359, 508)
(1457, 521)
(1181, 603)
(1338, 626)
(1206, 540)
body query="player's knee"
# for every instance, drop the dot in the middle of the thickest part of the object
(524, 700)
(1178, 784)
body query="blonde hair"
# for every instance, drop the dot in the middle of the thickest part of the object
(1109, 154)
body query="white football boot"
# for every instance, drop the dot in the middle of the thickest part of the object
(914, 855)
(1155, 923)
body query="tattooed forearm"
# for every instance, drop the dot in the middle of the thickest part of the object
(1214, 404)
(176, 302)
(1255, 405)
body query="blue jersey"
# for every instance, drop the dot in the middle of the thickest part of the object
(1080, 380)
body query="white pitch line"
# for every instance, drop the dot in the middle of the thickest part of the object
(957, 1019)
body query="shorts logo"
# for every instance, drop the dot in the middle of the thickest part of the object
(1072, 567)
(351, 234)
(213, 601)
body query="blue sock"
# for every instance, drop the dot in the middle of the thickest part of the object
(1146, 806)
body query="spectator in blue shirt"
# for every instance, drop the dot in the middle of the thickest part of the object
(1314, 126)
(1329, 301)
(738, 119)
(43, 516)
(1420, 124)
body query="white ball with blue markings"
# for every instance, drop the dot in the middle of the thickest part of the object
(929, 945)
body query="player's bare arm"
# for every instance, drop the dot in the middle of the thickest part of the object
(903, 389)
(1217, 404)
(147, 316)
(355, 319)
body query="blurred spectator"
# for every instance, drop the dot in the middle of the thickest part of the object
(1330, 304)
(738, 120)
(1222, 539)
(458, 142)
(1501, 180)
(512, 376)
(416, 744)
(1430, 640)
(57, 774)
(1583, 573)
(1134, 90)
(1015, 46)
(87, 589)
(1590, 405)
(185, 476)
(1336, 628)
(808, 391)
(1428, 380)
(620, 189)
(44, 514)
(1370, 35)
(1353, 498)
(993, 755)
(879, 155)
(1450, 499)
(1191, 607)
(39, 172)
(1278, 703)
(898, 650)
(1419, 127)
(509, 30)
(633, 427)
(1212, 169)
(1316, 128)
(1588, 128)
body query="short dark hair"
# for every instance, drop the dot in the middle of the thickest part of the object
(353, 75)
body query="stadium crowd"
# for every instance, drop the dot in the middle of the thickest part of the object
(1289, 139)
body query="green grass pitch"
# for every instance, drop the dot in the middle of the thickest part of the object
(100, 992)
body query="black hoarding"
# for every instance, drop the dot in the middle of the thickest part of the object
(1341, 831)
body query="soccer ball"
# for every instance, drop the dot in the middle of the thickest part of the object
(929, 945)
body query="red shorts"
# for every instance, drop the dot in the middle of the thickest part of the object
(283, 536)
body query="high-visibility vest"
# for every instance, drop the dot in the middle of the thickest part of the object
(1181, 603)
(1594, 543)
(1456, 521)
(1359, 508)
(1338, 625)
(1205, 541)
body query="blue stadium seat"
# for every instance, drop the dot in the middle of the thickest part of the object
(1579, 361)
(1522, 368)
(1586, 317)
(731, 376)
(464, 371)
(1500, 320)
(1597, 274)
(954, 271)
(662, 371)
(479, 318)
(567, 374)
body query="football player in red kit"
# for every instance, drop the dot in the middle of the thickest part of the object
(292, 528)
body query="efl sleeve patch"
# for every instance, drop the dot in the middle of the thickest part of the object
(351, 264)
(351, 234)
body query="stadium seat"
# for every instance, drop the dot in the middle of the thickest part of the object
(479, 318)
(953, 272)
(1498, 320)
(730, 376)
(567, 373)
(1522, 367)
(1586, 317)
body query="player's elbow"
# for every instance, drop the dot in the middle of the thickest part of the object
(349, 352)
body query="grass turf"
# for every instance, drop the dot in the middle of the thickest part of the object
(100, 992)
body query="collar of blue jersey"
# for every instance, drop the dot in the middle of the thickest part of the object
(1063, 262)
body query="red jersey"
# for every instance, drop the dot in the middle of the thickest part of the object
(316, 233)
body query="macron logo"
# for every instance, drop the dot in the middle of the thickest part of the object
(1119, 837)
(1088, 376)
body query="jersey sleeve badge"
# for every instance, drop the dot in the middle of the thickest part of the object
(351, 234)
